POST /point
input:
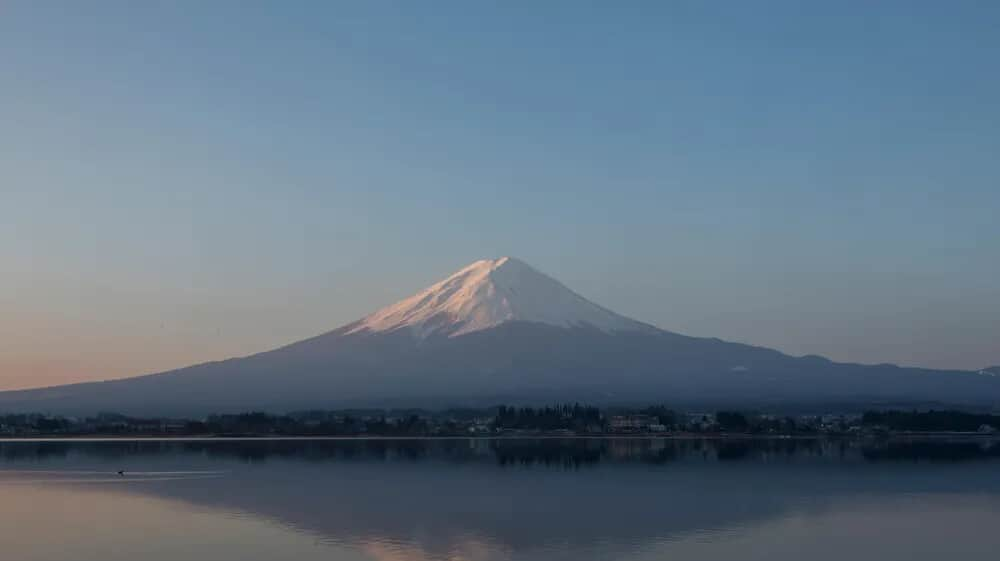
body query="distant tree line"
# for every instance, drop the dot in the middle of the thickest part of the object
(315, 423)
(41, 423)
(739, 422)
(565, 417)
(929, 421)
(575, 418)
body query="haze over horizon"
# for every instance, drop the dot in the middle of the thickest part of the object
(183, 183)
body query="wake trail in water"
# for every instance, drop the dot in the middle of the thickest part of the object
(37, 476)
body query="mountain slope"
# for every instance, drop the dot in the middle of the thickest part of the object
(500, 331)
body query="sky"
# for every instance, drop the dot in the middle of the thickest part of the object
(189, 181)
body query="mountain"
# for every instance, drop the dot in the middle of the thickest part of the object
(501, 331)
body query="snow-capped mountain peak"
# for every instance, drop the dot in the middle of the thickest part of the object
(488, 293)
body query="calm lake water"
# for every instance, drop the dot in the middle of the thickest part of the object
(540, 500)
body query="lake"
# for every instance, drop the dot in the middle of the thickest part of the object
(502, 499)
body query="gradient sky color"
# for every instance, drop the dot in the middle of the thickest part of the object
(186, 181)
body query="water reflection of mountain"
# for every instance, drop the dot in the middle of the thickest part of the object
(434, 497)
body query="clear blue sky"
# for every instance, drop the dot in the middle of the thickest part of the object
(183, 181)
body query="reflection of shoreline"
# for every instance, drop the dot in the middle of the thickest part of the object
(551, 452)
(910, 436)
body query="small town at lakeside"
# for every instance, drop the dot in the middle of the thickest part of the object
(506, 421)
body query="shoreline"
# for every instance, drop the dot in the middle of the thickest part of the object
(347, 438)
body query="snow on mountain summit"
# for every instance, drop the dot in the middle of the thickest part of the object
(488, 293)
